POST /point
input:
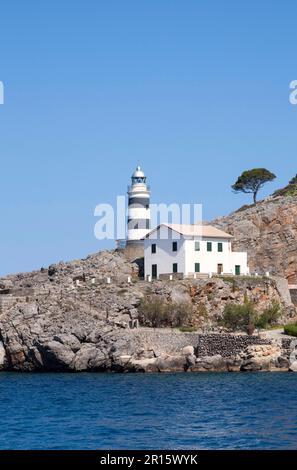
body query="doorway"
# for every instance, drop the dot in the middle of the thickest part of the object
(154, 271)
(220, 269)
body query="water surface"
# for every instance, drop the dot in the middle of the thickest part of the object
(147, 411)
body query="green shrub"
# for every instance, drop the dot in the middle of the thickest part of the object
(156, 312)
(181, 314)
(270, 315)
(151, 311)
(239, 317)
(291, 329)
(289, 190)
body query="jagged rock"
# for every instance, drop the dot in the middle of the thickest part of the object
(293, 367)
(69, 340)
(171, 363)
(210, 363)
(55, 355)
(282, 363)
(81, 360)
(89, 357)
(253, 365)
(261, 357)
(2, 356)
(268, 232)
(190, 360)
(51, 323)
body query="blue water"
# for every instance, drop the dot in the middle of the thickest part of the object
(138, 411)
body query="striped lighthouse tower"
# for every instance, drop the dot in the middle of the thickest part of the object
(138, 208)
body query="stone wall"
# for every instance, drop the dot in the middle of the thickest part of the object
(225, 345)
(173, 351)
(162, 341)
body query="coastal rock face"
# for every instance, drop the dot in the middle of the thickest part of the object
(81, 316)
(210, 297)
(268, 232)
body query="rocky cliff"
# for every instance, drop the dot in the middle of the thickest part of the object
(268, 232)
(82, 315)
(69, 317)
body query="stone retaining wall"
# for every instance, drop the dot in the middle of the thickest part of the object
(163, 341)
(225, 345)
(205, 344)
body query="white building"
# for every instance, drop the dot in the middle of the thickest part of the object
(190, 249)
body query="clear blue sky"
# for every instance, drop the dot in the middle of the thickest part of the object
(195, 91)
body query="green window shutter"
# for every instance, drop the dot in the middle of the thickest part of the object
(209, 246)
(237, 270)
(174, 268)
(154, 271)
(197, 267)
(197, 246)
(220, 247)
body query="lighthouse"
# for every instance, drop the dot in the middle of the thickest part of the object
(138, 223)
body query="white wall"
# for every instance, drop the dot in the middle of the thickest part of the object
(208, 260)
(240, 258)
(186, 256)
(164, 256)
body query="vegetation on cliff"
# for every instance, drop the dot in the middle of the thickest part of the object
(291, 329)
(267, 231)
(244, 317)
(251, 181)
(154, 311)
(289, 190)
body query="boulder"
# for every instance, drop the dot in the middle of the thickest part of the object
(171, 363)
(2, 355)
(190, 360)
(188, 351)
(210, 363)
(55, 355)
(85, 358)
(69, 340)
(293, 367)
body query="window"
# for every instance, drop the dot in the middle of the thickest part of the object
(197, 267)
(174, 246)
(174, 268)
(197, 246)
(154, 248)
(209, 246)
(220, 247)
(237, 270)
(154, 271)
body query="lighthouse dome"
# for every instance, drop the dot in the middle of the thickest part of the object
(138, 173)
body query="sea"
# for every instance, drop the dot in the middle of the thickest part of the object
(148, 411)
